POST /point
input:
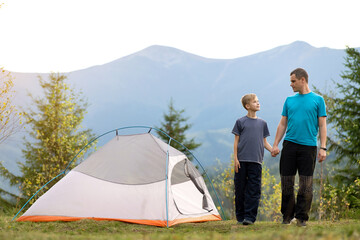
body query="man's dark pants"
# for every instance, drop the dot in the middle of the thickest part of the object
(301, 158)
(247, 183)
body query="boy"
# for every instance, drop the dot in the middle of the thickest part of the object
(250, 139)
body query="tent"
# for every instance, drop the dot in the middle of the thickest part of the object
(133, 178)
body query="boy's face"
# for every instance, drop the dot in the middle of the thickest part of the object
(253, 105)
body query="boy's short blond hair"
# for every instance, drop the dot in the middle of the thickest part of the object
(247, 98)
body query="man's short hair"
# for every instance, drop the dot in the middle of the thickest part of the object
(247, 98)
(299, 73)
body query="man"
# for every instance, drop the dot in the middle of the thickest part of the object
(303, 116)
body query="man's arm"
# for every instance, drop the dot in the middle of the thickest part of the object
(279, 135)
(236, 161)
(323, 132)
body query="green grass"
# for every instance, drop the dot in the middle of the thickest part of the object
(89, 229)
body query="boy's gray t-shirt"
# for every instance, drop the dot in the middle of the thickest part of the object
(251, 141)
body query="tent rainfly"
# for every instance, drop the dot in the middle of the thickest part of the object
(132, 178)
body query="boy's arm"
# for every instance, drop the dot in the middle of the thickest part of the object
(267, 145)
(236, 161)
(279, 135)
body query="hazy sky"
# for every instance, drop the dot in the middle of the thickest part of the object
(67, 35)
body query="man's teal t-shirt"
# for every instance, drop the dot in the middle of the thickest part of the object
(302, 112)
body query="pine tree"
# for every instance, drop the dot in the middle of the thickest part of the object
(175, 126)
(56, 136)
(344, 114)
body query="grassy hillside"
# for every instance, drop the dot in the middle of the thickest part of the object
(88, 229)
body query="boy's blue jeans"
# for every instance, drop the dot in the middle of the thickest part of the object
(247, 183)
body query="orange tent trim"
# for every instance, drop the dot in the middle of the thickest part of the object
(159, 223)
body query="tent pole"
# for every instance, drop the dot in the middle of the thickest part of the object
(63, 172)
(166, 184)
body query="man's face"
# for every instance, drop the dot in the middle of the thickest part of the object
(296, 84)
(254, 104)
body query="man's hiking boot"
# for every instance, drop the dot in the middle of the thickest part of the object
(300, 223)
(247, 222)
(288, 222)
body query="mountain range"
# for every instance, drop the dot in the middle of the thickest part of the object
(136, 90)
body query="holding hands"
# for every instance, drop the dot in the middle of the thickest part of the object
(275, 151)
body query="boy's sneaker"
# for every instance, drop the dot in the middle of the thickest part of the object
(247, 222)
(300, 223)
(286, 222)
